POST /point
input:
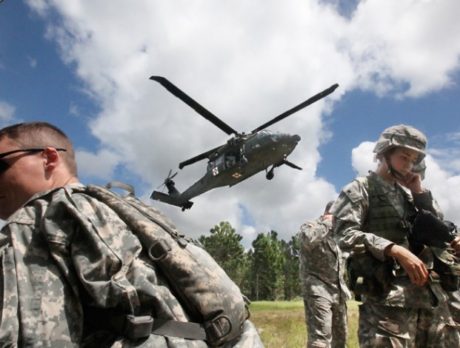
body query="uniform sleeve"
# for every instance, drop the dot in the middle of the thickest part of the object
(312, 233)
(350, 211)
(425, 201)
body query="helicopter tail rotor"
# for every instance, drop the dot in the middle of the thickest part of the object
(174, 196)
(169, 184)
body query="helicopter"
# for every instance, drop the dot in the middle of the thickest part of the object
(242, 156)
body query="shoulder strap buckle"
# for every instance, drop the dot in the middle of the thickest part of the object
(138, 326)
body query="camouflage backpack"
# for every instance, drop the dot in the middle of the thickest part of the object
(199, 283)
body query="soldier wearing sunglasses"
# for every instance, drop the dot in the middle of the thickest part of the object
(70, 267)
(34, 158)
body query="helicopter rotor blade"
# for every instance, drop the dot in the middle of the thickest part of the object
(194, 104)
(169, 177)
(199, 157)
(289, 112)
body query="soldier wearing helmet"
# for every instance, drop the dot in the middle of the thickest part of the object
(402, 305)
(398, 138)
(447, 257)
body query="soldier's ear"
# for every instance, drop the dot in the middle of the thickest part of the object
(51, 159)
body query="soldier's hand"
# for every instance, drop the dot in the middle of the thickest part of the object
(414, 267)
(328, 217)
(413, 182)
(455, 244)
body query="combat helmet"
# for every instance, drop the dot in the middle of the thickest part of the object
(401, 136)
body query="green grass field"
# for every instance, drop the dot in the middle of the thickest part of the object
(281, 324)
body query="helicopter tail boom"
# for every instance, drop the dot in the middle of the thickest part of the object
(163, 197)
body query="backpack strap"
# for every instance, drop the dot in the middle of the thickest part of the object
(182, 329)
(201, 285)
(121, 185)
(135, 327)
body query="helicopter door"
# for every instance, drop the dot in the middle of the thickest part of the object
(213, 168)
(230, 161)
(217, 166)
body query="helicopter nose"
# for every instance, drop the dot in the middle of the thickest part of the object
(296, 138)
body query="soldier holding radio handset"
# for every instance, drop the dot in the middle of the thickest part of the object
(404, 303)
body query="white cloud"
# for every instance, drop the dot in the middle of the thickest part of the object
(6, 111)
(404, 43)
(444, 184)
(32, 62)
(99, 165)
(246, 62)
(362, 158)
(448, 156)
(455, 137)
(249, 233)
(73, 109)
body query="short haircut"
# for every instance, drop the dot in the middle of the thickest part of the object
(42, 134)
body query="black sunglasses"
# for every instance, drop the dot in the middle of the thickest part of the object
(5, 165)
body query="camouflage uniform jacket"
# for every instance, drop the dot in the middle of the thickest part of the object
(351, 212)
(321, 260)
(61, 255)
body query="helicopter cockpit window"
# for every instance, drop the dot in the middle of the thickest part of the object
(230, 161)
(219, 161)
(260, 139)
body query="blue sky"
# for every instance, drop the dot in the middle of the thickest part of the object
(436, 114)
(34, 79)
(84, 66)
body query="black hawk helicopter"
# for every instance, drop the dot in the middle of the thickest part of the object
(241, 157)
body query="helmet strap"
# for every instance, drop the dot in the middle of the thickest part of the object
(391, 171)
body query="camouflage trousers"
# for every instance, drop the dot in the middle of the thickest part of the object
(326, 319)
(384, 326)
(454, 306)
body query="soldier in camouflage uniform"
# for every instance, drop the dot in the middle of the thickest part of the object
(323, 286)
(453, 296)
(403, 304)
(64, 257)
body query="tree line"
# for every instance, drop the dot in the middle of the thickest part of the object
(267, 271)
